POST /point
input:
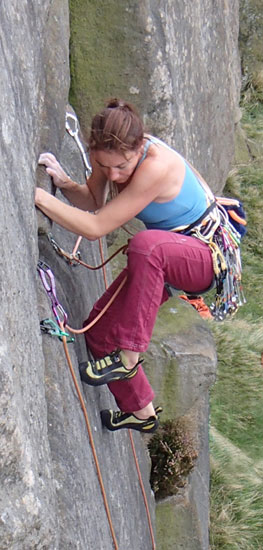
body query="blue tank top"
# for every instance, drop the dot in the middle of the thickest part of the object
(184, 209)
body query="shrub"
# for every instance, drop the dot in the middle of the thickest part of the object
(173, 455)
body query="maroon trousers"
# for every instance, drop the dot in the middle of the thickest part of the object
(155, 257)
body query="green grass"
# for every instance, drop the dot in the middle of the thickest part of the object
(237, 498)
(237, 397)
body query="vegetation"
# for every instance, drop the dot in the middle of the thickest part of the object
(173, 454)
(237, 397)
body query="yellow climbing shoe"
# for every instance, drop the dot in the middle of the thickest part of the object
(116, 420)
(108, 369)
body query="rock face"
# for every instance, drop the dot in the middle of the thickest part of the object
(50, 496)
(176, 60)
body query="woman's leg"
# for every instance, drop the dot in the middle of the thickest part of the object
(154, 257)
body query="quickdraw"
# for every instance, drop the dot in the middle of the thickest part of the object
(44, 270)
(48, 281)
(74, 258)
(219, 263)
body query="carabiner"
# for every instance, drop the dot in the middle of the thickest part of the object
(74, 132)
(50, 327)
(69, 258)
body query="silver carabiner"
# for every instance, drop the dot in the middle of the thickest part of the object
(74, 132)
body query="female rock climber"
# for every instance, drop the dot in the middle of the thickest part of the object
(155, 184)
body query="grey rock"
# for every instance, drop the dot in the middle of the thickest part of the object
(50, 497)
(178, 62)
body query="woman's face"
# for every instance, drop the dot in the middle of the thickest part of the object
(115, 166)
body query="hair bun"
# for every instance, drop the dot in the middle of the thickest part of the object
(114, 102)
(117, 127)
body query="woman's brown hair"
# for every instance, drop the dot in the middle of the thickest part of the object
(118, 127)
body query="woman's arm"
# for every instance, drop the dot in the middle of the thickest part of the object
(74, 219)
(79, 195)
(89, 196)
(143, 189)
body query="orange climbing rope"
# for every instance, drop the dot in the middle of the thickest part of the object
(87, 327)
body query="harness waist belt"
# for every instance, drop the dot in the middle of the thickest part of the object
(200, 219)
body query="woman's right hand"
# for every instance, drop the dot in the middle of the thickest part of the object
(54, 169)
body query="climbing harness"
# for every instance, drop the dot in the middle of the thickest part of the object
(221, 227)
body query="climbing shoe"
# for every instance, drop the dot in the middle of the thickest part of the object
(198, 303)
(108, 369)
(116, 420)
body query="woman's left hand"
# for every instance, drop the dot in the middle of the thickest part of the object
(55, 170)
